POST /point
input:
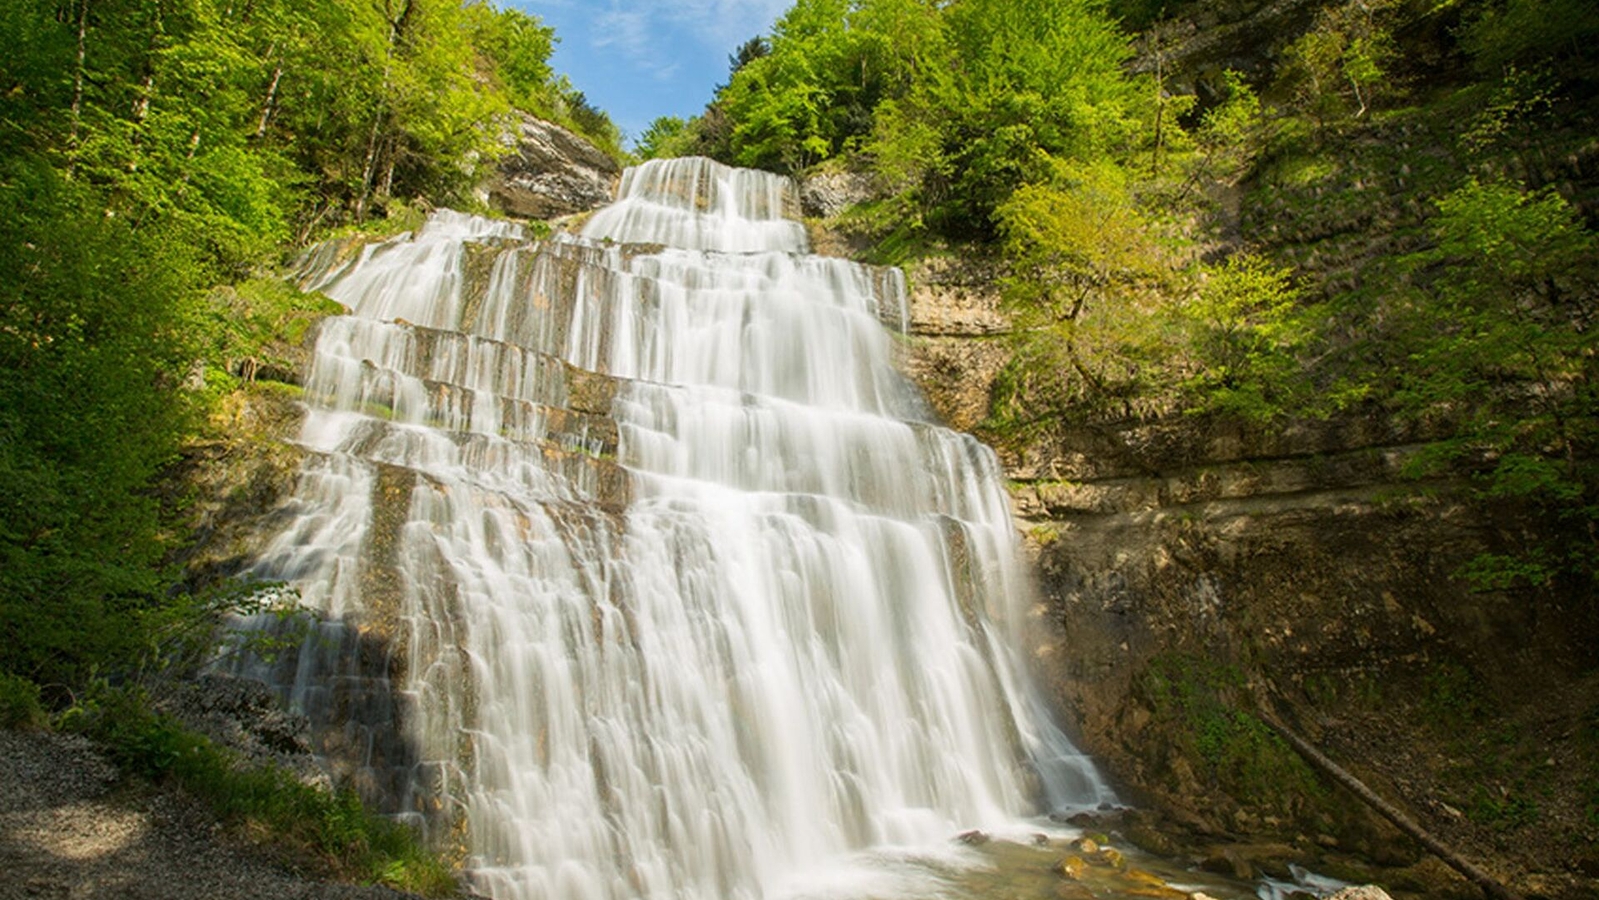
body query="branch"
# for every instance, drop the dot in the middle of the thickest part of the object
(1489, 885)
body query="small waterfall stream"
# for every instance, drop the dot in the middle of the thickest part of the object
(651, 559)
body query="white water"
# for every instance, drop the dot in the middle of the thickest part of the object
(786, 631)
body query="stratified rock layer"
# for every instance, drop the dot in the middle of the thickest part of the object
(551, 172)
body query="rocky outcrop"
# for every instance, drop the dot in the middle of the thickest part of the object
(551, 172)
(1192, 49)
(957, 338)
(828, 192)
(1194, 568)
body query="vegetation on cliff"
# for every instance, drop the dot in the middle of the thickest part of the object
(155, 159)
(1160, 236)
(1223, 220)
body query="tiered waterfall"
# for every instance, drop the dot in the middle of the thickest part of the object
(641, 571)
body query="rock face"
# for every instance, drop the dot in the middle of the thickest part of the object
(1195, 568)
(828, 193)
(551, 172)
(957, 344)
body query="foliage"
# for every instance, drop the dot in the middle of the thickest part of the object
(256, 324)
(1500, 345)
(811, 91)
(19, 703)
(1011, 86)
(1233, 133)
(1241, 754)
(96, 334)
(1337, 70)
(1506, 33)
(149, 151)
(665, 138)
(330, 829)
(1247, 326)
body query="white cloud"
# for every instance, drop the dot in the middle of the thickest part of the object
(632, 33)
(653, 35)
(658, 27)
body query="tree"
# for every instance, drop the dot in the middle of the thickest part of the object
(1087, 277)
(666, 137)
(1245, 327)
(1500, 344)
(1014, 84)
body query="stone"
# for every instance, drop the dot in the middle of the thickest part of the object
(550, 172)
(1225, 861)
(1150, 840)
(827, 193)
(973, 838)
(1071, 867)
(1363, 892)
(1086, 845)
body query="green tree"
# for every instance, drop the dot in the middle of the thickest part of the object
(1017, 83)
(96, 324)
(1246, 326)
(1337, 71)
(667, 136)
(1087, 279)
(1500, 347)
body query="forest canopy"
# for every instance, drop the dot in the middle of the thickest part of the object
(1365, 222)
(149, 152)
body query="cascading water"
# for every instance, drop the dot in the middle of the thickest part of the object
(680, 594)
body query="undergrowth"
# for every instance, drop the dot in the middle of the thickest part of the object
(328, 830)
(1241, 754)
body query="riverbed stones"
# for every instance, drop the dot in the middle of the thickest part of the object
(1363, 892)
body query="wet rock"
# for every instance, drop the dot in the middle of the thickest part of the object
(1071, 867)
(1150, 840)
(551, 172)
(1087, 845)
(1363, 892)
(1227, 861)
(973, 838)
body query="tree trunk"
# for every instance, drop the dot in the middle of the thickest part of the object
(368, 168)
(77, 88)
(1487, 883)
(271, 102)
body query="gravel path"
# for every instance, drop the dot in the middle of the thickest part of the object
(66, 834)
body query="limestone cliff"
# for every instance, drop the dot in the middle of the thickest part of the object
(1196, 567)
(550, 172)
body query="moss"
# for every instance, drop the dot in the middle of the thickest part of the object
(1452, 697)
(1235, 750)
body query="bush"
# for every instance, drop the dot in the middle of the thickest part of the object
(19, 703)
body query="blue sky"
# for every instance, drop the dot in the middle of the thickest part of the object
(639, 59)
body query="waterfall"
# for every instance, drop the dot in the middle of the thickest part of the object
(673, 590)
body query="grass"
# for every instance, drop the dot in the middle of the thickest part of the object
(329, 830)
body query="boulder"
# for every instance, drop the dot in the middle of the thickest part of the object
(550, 172)
(827, 193)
